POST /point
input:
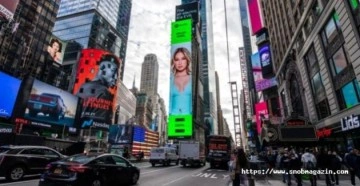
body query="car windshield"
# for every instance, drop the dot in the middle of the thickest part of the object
(157, 150)
(80, 158)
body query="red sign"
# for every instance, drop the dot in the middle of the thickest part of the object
(21, 121)
(260, 109)
(321, 133)
(295, 122)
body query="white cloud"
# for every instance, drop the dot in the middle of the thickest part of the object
(150, 33)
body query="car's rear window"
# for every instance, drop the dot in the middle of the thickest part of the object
(157, 150)
(3, 150)
(9, 150)
(80, 158)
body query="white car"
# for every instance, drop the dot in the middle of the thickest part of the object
(164, 156)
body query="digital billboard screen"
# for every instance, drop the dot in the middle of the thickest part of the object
(187, 11)
(10, 87)
(56, 49)
(261, 110)
(255, 17)
(180, 104)
(96, 83)
(261, 83)
(50, 105)
(7, 9)
(120, 134)
(265, 61)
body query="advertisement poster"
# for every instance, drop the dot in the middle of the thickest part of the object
(255, 16)
(261, 83)
(265, 60)
(120, 134)
(50, 105)
(96, 84)
(180, 104)
(8, 97)
(7, 9)
(261, 111)
(56, 49)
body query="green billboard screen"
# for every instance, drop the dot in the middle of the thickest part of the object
(180, 126)
(181, 31)
(180, 104)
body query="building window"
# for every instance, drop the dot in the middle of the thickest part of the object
(338, 62)
(331, 30)
(355, 7)
(318, 90)
(349, 95)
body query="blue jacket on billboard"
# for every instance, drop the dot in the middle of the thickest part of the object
(180, 102)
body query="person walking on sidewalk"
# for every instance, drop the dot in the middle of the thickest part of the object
(335, 166)
(309, 163)
(241, 163)
(352, 161)
(295, 164)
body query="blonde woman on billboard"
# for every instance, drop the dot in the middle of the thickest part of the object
(181, 82)
(54, 49)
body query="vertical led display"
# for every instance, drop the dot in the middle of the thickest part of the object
(8, 97)
(255, 17)
(96, 84)
(187, 11)
(260, 111)
(56, 49)
(260, 82)
(265, 61)
(180, 104)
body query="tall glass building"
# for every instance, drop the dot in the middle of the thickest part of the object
(208, 64)
(102, 24)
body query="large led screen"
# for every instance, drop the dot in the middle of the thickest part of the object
(180, 104)
(10, 88)
(120, 134)
(255, 17)
(187, 11)
(50, 105)
(96, 84)
(261, 110)
(265, 60)
(260, 82)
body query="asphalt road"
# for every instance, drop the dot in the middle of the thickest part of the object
(161, 176)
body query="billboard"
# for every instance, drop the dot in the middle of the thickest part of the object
(11, 86)
(120, 134)
(7, 9)
(265, 61)
(50, 105)
(56, 49)
(187, 11)
(180, 104)
(96, 83)
(260, 82)
(144, 140)
(255, 16)
(261, 110)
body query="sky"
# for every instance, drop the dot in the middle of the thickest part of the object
(150, 33)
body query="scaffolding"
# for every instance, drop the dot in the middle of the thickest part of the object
(236, 113)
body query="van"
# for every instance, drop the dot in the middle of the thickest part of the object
(164, 156)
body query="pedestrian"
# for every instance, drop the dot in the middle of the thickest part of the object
(335, 166)
(323, 160)
(295, 164)
(352, 161)
(241, 164)
(284, 164)
(309, 163)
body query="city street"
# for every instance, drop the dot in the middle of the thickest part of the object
(162, 176)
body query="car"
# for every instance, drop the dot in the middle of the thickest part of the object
(48, 104)
(17, 161)
(90, 169)
(163, 156)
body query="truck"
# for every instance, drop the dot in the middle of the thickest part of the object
(219, 151)
(192, 153)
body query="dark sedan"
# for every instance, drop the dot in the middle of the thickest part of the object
(17, 161)
(92, 170)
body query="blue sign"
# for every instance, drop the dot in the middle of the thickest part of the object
(10, 88)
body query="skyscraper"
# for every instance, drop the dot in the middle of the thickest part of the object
(95, 24)
(25, 37)
(149, 75)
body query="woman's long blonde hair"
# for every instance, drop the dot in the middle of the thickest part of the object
(187, 56)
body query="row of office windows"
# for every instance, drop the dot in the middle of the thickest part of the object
(347, 89)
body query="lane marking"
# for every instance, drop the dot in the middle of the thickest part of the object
(141, 173)
(20, 182)
(184, 177)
